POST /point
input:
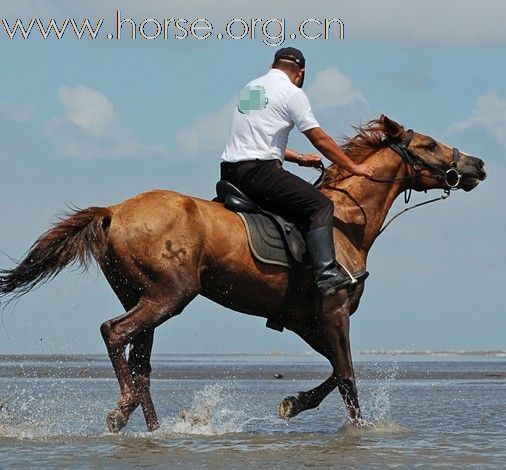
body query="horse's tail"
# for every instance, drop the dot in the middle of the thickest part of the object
(76, 237)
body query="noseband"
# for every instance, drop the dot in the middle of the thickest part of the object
(450, 175)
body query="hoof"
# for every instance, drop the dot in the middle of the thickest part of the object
(116, 421)
(152, 427)
(358, 423)
(289, 407)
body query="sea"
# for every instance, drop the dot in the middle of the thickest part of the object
(425, 409)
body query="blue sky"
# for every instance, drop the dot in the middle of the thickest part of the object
(93, 122)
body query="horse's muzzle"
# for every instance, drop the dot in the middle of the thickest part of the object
(472, 171)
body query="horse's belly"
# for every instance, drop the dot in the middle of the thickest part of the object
(247, 295)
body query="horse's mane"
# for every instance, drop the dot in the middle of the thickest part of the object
(369, 138)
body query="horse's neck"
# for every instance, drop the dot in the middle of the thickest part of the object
(361, 205)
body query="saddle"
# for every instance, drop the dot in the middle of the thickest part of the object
(272, 238)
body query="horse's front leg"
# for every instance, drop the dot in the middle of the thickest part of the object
(329, 336)
(302, 401)
(338, 328)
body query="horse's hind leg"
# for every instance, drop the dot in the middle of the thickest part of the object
(139, 363)
(139, 357)
(120, 331)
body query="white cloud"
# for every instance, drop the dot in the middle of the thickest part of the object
(489, 112)
(88, 109)
(331, 89)
(89, 128)
(208, 131)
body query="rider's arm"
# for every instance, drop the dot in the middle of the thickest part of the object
(302, 159)
(328, 147)
(293, 156)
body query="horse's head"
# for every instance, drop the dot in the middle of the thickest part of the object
(433, 164)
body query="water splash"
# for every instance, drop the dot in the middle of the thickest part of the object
(377, 428)
(45, 409)
(378, 406)
(212, 412)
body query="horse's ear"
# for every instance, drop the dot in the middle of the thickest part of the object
(390, 127)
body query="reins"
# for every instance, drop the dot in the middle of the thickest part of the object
(445, 195)
(450, 176)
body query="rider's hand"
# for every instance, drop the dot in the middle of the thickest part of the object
(363, 170)
(310, 160)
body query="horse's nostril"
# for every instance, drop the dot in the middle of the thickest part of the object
(481, 163)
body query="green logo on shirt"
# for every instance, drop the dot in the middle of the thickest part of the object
(252, 98)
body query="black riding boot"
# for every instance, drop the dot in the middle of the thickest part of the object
(328, 277)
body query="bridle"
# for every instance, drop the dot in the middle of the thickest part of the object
(449, 175)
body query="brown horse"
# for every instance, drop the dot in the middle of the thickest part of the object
(160, 249)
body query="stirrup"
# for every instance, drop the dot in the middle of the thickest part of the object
(329, 286)
(351, 283)
(359, 278)
(355, 278)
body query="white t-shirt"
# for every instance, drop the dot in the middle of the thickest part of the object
(266, 111)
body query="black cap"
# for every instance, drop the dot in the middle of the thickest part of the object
(290, 53)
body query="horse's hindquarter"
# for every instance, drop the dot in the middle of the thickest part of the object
(154, 241)
(167, 241)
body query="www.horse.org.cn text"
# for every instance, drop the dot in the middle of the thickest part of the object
(270, 32)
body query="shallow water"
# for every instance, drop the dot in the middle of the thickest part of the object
(421, 412)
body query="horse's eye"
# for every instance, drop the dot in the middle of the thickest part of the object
(432, 146)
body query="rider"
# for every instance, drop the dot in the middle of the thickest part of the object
(267, 109)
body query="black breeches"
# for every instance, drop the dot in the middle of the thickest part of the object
(281, 192)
